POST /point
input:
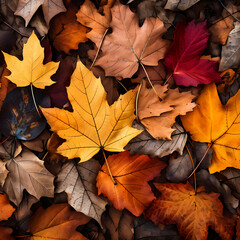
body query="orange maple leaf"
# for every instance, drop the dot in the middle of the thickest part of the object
(131, 174)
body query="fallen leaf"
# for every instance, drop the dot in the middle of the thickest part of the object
(227, 80)
(6, 210)
(179, 4)
(158, 116)
(27, 172)
(3, 173)
(145, 144)
(183, 57)
(50, 8)
(191, 212)
(230, 57)
(217, 125)
(31, 68)
(57, 222)
(121, 56)
(93, 123)
(65, 32)
(89, 16)
(5, 233)
(79, 182)
(131, 174)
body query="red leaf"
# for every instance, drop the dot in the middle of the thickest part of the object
(183, 57)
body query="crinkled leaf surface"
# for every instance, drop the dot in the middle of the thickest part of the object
(179, 4)
(30, 70)
(131, 174)
(79, 182)
(183, 57)
(191, 212)
(50, 8)
(93, 124)
(121, 55)
(217, 125)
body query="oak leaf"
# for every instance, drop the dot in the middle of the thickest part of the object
(57, 222)
(191, 212)
(158, 116)
(79, 182)
(122, 55)
(183, 57)
(218, 125)
(30, 71)
(50, 8)
(131, 174)
(93, 124)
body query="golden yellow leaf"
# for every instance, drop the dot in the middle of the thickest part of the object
(218, 125)
(31, 69)
(93, 124)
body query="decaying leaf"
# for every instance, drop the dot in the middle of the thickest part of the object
(31, 68)
(179, 4)
(50, 8)
(217, 125)
(57, 222)
(79, 182)
(27, 172)
(121, 55)
(230, 57)
(191, 212)
(93, 124)
(144, 143)
(158, 116)
(131, 174)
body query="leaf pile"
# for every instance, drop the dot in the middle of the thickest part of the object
(119, 120)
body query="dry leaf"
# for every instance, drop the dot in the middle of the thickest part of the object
(158, 116)
(191, 212)
(121, 55)
(31, 68)
(6, 210)
(50, 8)
(131, 174)
(93, 124)
(179, 4)
(79, 182)
(5, 233)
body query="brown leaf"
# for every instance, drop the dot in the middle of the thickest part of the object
(6, 210)
(5, 233)
(179, 4)
(131, 174)
(158, 116)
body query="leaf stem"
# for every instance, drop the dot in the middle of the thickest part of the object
(5, 140)
(44, 156)
(109, 170)
(168, 78)
(137, 97)
(34, 101)
(100, 46)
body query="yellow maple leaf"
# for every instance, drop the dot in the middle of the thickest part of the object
(31, 71)
(216, 124)
(93, 124)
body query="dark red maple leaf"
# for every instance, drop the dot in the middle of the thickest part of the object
(183, 56)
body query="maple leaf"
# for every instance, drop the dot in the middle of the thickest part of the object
(183, 57)
(131, 174)
(191, 212)
(57, 222)
(26, 9)
(137, 45)
(30, 71)
(65, 32)
(78, 181)
(159, 116)
(6, 210)
(93, 124)
(218, 125)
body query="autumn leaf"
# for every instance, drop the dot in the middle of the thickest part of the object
(26, 9)
(179, 4)
(31, 68)
(5, 233)
(79, 182)
(131, 174)
(122, 55)
(218, 125)
(93, 124)
(57, 222)
(6, 210)
(191, 212)
(158, 116)
(183, 57)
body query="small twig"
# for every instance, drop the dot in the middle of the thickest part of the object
(219, 20)
(100, 45)
(34, 101)
(44, 156)
(228, 10)
(109, 170)
(137, 97)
